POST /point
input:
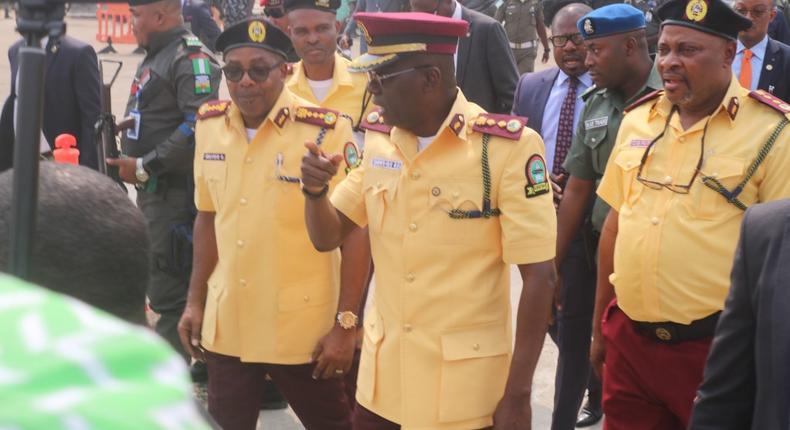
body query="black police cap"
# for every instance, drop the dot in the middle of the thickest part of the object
(323, 5)
(710, 16)
(257, 33)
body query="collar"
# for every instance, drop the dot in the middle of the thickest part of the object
(281, 112)
(457, 12)
(584, 79)
(159, 40)
(728, 107)
(340, 75)
(460, 111)
(758, 50)
(653, 82)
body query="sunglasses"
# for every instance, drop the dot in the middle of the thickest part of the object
(256, 73)
(561, 39)
(375, 80)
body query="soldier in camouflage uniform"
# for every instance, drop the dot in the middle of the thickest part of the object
(523, 22)
(177, 75)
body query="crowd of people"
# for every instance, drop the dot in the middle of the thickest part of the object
(637, 186)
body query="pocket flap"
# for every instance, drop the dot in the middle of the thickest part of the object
(484, 341)
(723, 167)
(464, 194)
(629, 159)
(594, 137)
(374, 328)
(299, 297)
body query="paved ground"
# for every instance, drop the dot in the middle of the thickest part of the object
(85, 29)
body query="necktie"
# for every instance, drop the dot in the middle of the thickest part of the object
(565, 127)
(746, 70)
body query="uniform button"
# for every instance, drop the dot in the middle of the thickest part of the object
(714, 175)
(593, 139)
(248, 160)
(378, 184)
(243, 201)
(413, 227)
(410, 277)
(682, 139)
(306, 299)
(407, 328)
(415, 175)
(476, 346)
(456, 194)
(242, 282)
(668, 180)
(627, 164)
(240, 243)
(654, 220)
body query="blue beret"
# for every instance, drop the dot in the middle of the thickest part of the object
(609, 20)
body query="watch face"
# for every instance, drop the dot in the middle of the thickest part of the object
(347, 319)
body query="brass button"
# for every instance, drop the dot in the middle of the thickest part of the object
(407, 328)
(436, 191)
(410, 277)
(243, 201)
(627, 164)
(240, 243)
(242, 282)
(378, 184)
(714, 175)
(654, 220)
(667, 179)
(413, 227)
(415, 175)
(456, 194)
(476, 346)
(248, 160)
(682, 138)
(306, 299)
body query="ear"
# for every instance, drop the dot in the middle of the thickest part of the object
(630, 46)
(432, 79)
(729, 53)
(338, 26)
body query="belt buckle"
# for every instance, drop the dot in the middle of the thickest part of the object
(663, 334)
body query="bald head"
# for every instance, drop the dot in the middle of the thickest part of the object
(569, 14)
(569, 50)
(156, 17)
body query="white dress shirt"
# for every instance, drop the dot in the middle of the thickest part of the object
(551, 113)
(758, 57)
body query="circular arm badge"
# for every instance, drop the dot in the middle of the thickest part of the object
(351, 156)
(537, 177)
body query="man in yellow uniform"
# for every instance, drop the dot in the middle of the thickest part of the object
(687, 162)
(322, 75)
(262, 300)
(452, 196)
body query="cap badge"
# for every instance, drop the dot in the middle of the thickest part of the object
(588, 26)
(322, 3)
(696, 10)
(257, 31)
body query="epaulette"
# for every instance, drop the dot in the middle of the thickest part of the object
(212, 109)
(589, 92)
(507, 126)
(644, 99)
(322, 117)
(192, 42)
(771, 100)
(375, 122)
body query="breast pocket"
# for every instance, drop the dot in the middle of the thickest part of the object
(708, 204)
(628, 161)
(379, 190)
(456, 213)
(368, 363)
(153, 89)
(215, 175)
(593, 139)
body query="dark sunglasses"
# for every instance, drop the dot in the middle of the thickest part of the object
(375, 80)
(256, 73)
(561, 39)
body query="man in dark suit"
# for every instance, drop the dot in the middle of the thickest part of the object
(541, 97)
(72, 89)
(747, 374)
(761, 62)
(484, 65)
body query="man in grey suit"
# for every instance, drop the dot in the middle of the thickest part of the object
(747, 374)
(369, 6)
(484, 65)
(550, 100)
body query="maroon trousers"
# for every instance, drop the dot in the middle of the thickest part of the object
(367, 420)
(647, 384)
(235, 390)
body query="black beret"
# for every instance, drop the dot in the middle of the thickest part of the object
(711, 16)
(323, 5)
(254, 32)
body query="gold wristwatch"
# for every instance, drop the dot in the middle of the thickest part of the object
(347, 320)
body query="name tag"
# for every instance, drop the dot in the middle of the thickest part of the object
(596, 122)
(381, 163)
(639, 143)
(213, 157)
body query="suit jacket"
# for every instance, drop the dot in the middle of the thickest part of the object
(486, 71)
(532, 94)
(776, 69)
(72, 89)
(747, 375)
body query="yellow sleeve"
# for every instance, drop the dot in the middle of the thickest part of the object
(203, 200)
(349, 199)
(528, 220)
(775, 185)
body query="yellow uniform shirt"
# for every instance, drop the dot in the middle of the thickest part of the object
(271, 295)
(674, 252)
(346, 92)
(438, 336)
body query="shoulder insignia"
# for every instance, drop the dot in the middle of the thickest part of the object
(375, 122)
(212, 109)
(192, 42)
(326, 118)
(507, 126)
(771, 100)
(589, 92)
(457, 124)
(644, 99)
(282, 116)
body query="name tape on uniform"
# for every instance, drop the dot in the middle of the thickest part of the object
(213, 157)
(381, 163)
(639, 143)
(596, 122)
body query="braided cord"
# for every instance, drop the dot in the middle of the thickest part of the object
(487, 212)
(732, 196)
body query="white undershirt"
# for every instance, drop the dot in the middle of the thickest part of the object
(320, 88)
(423, 142)
(251, 134)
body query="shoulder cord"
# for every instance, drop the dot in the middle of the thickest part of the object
(487, 212)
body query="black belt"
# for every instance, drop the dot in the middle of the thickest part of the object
(670, 332)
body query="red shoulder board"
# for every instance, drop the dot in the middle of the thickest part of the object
(212, 109)
(644, 99)
(375, 122)
(326, 118)
(771, 100)
(507, 126)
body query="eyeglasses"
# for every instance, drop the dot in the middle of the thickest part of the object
(375, 81)
(561, 39)
(657, 185)
(757, 12)
(257, 74)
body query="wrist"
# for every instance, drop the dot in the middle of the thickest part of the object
(314, 194)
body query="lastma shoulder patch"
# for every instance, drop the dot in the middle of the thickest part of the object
(507, 126)
(212, 109)
(537, 178)
(771, 100)
(644, 99)
(375, 121)
(326, 118)
(351, 156)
